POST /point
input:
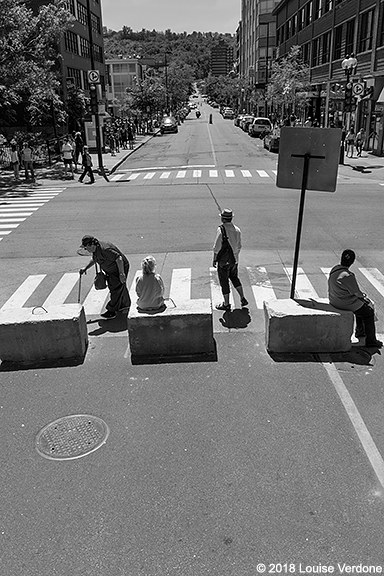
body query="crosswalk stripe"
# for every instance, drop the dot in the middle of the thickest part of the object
(261, 285)
(9, 226)
(4, 215)
(275, 172)
(213, 173)
(24, 205)
(24, 291)
(4, 232)
(246, 173)
(216, 293)
(181, 174)
(2, 220)
(303, 287)
(229, 173)
(149, 175)
(197, 173)
(94, 300)
(133, 176)
(14, 209)
(180, 289)
(117, 177)
(165, 175)
(375, 277)
(62, 289)
(262, 173)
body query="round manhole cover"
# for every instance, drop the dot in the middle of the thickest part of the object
(71, 437)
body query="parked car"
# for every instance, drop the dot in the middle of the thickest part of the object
(246, 120)
(237, 119)
(260, 126)
(272, 140)
(215, 105)
(168, 124)
(228, 113)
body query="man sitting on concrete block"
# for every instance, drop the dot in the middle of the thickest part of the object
(344, 293)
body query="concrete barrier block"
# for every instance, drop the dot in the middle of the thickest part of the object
(38, 336)
(180, 334)
(299, 326)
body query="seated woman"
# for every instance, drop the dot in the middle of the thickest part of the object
(150, 288)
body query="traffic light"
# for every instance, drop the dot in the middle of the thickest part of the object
(94, 98)
(348, 97)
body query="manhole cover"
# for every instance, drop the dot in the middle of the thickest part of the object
(71, 437)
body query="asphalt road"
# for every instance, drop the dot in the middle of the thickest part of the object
(209, 468)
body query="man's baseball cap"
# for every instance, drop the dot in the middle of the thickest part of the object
(227, 214)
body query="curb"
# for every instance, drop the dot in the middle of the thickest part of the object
(129, 152)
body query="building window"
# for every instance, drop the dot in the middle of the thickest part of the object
(327, 6)
(70, 6)
(337, 43)
(316, 9)
(315, 52)
(287, 30)
(70, 42)
(380, 35)
(85, 48)
(76, 74)
(95, 23)
(85, 80)
(326, 47)
(294, 25)
(306, 53)
(366, 31)
(300, 22)
(98, 53)
(308, 13)
(349, 37)
(82, 14)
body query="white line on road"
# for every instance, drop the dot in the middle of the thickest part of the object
(117, 177)
(8, 226)
(180, 289)
(24, 291)
(14, 209)
(197, 173)
(246, 173)
(262, 173)
(13, 214)
(358, 423)
(2, 219)
(181, 174)
(229, 173)
(375, 277)
(62, 289)
(261, 285)
(133, 176)
(303, 287)
(149, 176)
(165, 175)
(213, 173)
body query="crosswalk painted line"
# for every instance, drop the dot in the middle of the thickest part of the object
(256, 283)
(181, 174)
(194, 173)
(303, 286)
(263, 173)
(261, 285)
(246, 173)
(165, 175)
(149, 175)
(213, 173)
(117, 177)
(229, 173)
(197, 173)
(16, 206)
(133, 176)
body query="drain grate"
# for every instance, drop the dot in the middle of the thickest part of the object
(71, 437)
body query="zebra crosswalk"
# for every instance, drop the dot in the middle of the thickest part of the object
(260, 284)
(17, 206)
(212, 174)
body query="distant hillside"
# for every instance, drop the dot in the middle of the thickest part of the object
(192, 49)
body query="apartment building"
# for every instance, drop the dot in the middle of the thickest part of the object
(122, 74)
(328, 31)
(221, 59)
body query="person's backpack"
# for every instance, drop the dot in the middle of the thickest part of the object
(225, 256)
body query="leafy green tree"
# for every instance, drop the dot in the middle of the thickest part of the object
(289, 81)
(29, 51)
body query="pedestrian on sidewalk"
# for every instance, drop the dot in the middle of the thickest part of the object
(350, 141)
(115, 265)
(360, 141)
(87, 165)
(15, 162)
(112, 143)
(130, 135)
(344, 293)
(226, 250)
(79, 144)
(150, 288)
(68, 153)
(27, 159)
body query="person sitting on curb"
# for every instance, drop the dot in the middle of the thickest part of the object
(150, 288)
(344, 293)
(228, 270)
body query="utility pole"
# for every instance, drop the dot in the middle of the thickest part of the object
(93, 90)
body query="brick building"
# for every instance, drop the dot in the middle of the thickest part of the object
(328, 31)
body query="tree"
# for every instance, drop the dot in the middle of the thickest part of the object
(29, 52)
(289, 81)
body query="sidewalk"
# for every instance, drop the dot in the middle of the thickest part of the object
(367, 164)
(56, 171)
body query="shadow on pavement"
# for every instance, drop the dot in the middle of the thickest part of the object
(357, 358)
(237, 318)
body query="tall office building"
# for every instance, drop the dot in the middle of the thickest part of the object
(221, 59)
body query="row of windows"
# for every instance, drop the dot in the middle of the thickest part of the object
(82, 15)
(318, 51)
(72, 45)
(315, 9)
(321, 46)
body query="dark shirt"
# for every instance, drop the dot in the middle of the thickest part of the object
(106, 254)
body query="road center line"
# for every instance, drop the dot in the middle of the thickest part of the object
(358, 423)
(212, 148)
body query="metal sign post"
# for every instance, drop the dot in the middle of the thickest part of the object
(308, 159)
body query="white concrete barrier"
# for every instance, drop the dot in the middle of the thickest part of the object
(298, 326)
(38, 336)
(179, 334)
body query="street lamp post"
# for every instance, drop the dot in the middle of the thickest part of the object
(349, 65)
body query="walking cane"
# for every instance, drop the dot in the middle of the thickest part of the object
(79, 294)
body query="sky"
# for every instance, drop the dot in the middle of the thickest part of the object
(177, 15)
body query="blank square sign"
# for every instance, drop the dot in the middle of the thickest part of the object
(323, 146)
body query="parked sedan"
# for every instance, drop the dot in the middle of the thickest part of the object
(260, 126)
(228, 113)
(246, 120)
(168, 124)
